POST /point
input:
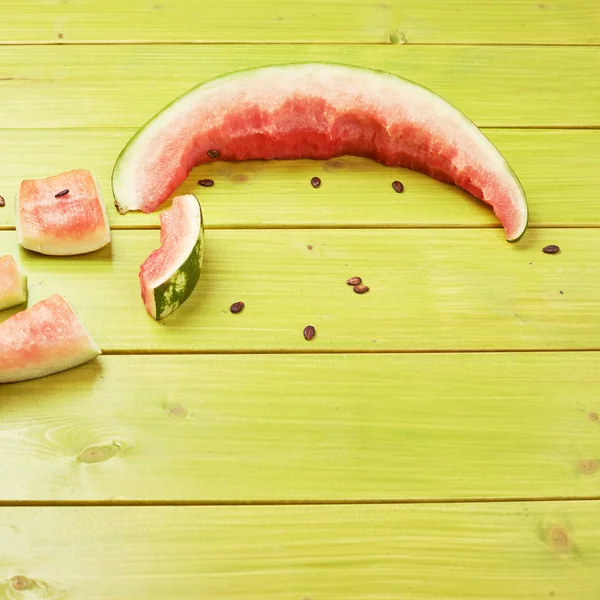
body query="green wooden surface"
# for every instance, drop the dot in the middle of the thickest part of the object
(559, 169)
(350, 21)
(431, 289)
(461, 551)
(491, 460)
(305, 428)
(123, 85)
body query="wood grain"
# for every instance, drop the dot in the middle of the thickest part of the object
(559, 169)
(453, 289)
(297, 428)
(519, 551)
(123, 86)
(371, 21)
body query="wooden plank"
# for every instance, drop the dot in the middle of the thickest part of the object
(560, 170)
(454, 289)
(373, 21)
(123, 86)
(520, 551)
(295, 428)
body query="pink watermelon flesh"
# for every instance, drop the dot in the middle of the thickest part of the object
(73, 223)
(316, 111)
(13, 284)
(44, 339)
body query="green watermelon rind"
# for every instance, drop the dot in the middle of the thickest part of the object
(174, 291)
(130, 146)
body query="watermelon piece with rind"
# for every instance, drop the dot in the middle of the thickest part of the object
(62, 215)
(317, 111)
(44, 339)
(169, 275)
(13, 283)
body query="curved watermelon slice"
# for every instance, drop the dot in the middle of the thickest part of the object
(170, 274)
(44, 339)
(62, 215)
(13, 284)
(315, 111)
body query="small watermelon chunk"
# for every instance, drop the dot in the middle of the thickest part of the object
(315, 111)
(13, 283)
(44, 339)
(62, 215)
(169, 275)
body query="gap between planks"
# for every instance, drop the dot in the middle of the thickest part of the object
(376, 227)
(243, 503)
(290, 43)
(217, 352)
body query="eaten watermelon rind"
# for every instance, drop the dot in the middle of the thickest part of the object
(46, 338)
(166, 290)
(13, 291)
(509, 205)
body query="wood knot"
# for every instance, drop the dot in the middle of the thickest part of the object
(558, 540)
(99, 453)
(239, 178)
(588, 466)
(20, 587)
(176, 411)
(20, 583)
(336, 164)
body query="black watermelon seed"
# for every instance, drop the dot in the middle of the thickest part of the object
(398, 187)
(2, 202)
(361, 288)
(551, 249)
(61, 194)
(206, 182)
(315, 182)
(309, 332)
(237, 307)
(354, 281)
(213, 154)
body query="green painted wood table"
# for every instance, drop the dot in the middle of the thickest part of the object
(438, 438)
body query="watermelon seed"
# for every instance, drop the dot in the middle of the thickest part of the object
(354, 281)
(213, 154)
(61, 194)
(309, 332)
(398, 187)
(551, 249)
(309, 247)
(237, 307)
(315, 182)
(206, 182)
(361, 289)
(2, 202)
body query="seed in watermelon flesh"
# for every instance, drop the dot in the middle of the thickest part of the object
(62, 215)
(170, 274)
(13, 284)
(316, 111)
(44, 339)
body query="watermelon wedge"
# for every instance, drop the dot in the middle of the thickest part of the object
(315, 111)
(170, 274)
(62, 215)
(44, 339)
(13, 284)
